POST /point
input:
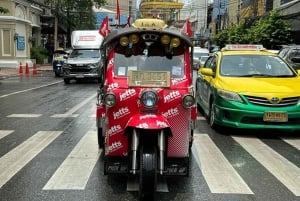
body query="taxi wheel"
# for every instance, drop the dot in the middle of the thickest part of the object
(211, 115)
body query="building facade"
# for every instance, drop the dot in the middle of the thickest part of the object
(19, 30)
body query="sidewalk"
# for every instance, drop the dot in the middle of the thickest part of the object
(9, 72)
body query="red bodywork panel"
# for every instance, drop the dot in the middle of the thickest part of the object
(128, 112)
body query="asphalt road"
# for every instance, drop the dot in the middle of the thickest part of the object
(48, 151)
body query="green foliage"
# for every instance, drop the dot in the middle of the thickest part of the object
(3, 10)
(75, 13)
(269, 31)
(39, 54)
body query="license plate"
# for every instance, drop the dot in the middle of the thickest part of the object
(276, 116)
(79, 76)
(149, 78)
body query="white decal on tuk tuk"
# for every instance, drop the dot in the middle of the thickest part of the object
(112, 86)
(176, 81)
(161, 124)
(143, 125)
(114, 146)
(171, 113)
(127, 94)
(121, 112)
(147, 116)
(114, 129)
(173, 95)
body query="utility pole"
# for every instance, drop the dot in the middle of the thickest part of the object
(55, 45)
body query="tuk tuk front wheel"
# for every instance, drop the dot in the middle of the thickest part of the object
(148, 173)
(100, 138)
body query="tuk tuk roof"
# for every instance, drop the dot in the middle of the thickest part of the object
(115, 34)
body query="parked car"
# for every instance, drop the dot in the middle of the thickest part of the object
(246, 86)
(200, 55)
(291, 53)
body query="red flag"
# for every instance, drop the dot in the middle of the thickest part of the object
(187, 28)
(128, 21)
(104, 28)
(118, 12)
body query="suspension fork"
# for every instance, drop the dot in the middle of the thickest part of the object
(161, 147)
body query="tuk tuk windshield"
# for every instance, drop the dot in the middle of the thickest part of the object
(123, 64)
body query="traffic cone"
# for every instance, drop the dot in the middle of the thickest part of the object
(21, 68)
(27, 69)
(34, 72)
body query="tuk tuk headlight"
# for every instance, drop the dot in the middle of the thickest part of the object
(149, 98)
(188, 101)
(110, 100)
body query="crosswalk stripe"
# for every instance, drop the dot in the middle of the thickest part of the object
(295, 142)
(25, 115)
(70, 112)
(281, 168)
(17, 158)
(4, 133)
(220, 176)
(74, 172)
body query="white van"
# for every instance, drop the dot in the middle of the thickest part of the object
(85, 60)
(200, 55)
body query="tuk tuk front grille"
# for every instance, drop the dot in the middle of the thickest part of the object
(265, 102)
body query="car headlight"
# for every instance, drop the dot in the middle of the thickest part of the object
(188, 101)
(65, 65)
(94, 65)
(228, 95)
(149, 98)
(110, 100)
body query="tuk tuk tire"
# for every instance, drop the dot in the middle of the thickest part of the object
(101, 139)
(148, 173)
(57, 74)
(67, 81)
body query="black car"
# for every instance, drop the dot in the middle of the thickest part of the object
(291, 53)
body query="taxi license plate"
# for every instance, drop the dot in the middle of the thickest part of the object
(276, 116)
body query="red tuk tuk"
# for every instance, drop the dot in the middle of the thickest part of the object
(146, 108)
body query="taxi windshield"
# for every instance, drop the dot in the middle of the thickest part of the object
(124, 64)
(254, 65)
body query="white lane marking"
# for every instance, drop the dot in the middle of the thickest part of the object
(76, 169)
(220, 176)
(17, 92)
(295, 142)
(70, 112)
(281, 168)
(25, 115)
(201, 118)
(16, 159)
(4, 133)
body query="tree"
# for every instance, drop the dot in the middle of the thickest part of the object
(270, 31)
(3, 10)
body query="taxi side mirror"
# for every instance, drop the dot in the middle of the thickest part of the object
(206, 71)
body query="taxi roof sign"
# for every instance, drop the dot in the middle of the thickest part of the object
(150, 24)
(243, 47)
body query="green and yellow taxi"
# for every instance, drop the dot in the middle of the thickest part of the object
(246, 86)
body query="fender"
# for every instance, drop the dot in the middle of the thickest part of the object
(148, 121)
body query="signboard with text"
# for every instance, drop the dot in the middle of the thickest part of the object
(21, 43)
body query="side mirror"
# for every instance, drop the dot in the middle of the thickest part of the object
(206, 71)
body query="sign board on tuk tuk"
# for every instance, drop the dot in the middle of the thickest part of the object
(148, 78)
